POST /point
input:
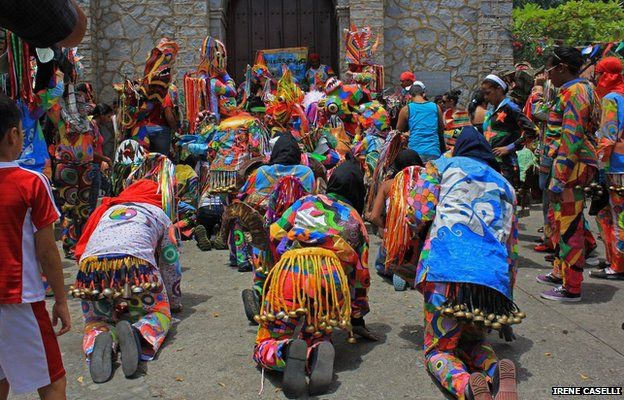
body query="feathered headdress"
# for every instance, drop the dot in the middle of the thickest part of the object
(361, 45)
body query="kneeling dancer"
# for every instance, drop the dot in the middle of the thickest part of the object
(319, 283)
(129, 279)
(470, 207)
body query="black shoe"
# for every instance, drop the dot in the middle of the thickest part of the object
(129, 346)
(201, 237)
(251, 304)
(101, 363)
(322, 366)
(294, 382)
(245, 268)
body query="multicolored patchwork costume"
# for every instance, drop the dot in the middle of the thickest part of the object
(611, 153)
(306, 231)
(469, 206)
(574, 167)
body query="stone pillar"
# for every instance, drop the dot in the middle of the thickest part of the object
(343, 21)
(217, 24)
(85, 48)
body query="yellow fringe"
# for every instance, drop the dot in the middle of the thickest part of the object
(397, 235)
(94, 263)
(320, 309)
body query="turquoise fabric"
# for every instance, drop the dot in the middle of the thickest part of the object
(423, 127)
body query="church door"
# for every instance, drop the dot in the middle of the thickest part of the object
(270, 24)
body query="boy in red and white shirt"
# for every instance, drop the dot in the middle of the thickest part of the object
(30, 358)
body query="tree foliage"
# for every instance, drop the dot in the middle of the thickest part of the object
(575, 23)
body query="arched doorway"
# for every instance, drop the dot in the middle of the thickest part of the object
(269, 24)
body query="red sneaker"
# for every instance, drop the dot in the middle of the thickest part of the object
(543, 248)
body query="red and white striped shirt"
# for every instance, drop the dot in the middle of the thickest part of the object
(26, 205)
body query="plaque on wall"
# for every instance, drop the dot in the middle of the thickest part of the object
(437, 82)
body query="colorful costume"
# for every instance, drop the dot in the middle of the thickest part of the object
(315, 78)
(129, 155)
(210, 88)
(143, 103)
(611, 154)
(470, 206)
(361, 45)
(271, 190)
(237, 140)
(321, 243)
(506, 126)
(375, 122)
(342, 102)
(187, 190)
(284, 112)
(19, 86)
(129, 265)
(573, 150)
(74, 171)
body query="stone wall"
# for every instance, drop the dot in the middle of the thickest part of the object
(467, 39)
(124, 32)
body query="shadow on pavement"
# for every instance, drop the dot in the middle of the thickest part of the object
(348, 356)
(524, 262)
(513, 351)
(531, 239)
(596, 293)
(189, 301)
(413, 334)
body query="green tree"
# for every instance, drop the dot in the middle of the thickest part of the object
(576, 23)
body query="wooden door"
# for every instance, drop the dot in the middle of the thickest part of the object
(270, 24)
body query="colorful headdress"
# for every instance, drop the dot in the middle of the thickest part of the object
(157, 75)
(213, 57)
(158, 168)
(361, 45)
(611, 79)
(373, 115)
(288, 97)
(460, 119)
(260, 70)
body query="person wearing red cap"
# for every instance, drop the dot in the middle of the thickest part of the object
(407, 80)
(317, 73)
(610, 88)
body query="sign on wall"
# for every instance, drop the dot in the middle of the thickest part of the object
(296, 58)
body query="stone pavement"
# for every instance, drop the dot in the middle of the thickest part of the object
(208, 353)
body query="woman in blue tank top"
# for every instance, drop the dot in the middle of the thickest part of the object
(423, 120)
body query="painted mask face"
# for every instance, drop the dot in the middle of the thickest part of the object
(158, 70)
(213, 57)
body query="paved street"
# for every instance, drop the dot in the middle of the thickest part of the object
(208, 353)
